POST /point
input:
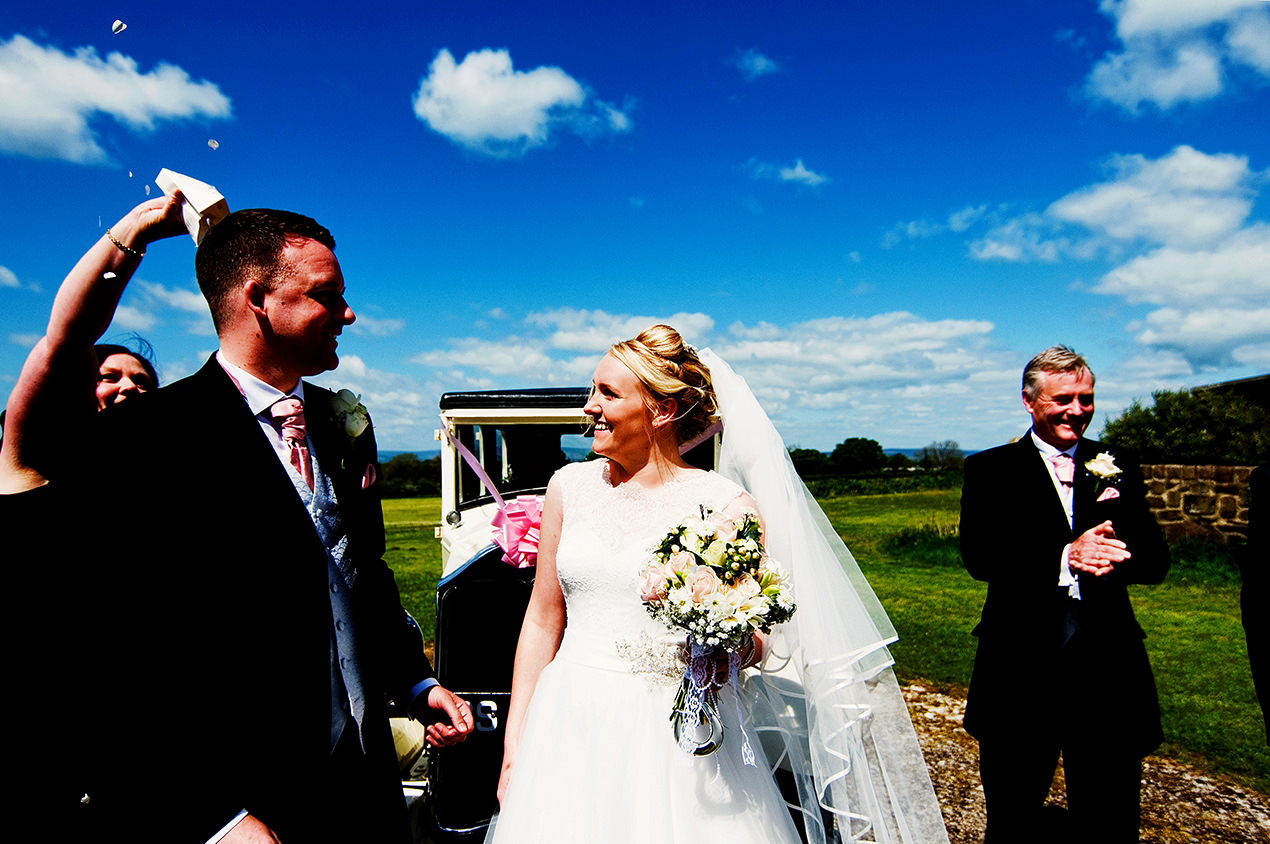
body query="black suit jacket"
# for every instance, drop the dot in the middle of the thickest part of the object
(1013, 530)
(209, 674)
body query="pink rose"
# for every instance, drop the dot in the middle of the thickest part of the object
(679, 563)
(703, 582)
(747, 586)
(652, 585)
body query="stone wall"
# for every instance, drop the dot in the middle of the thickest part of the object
(1204, 502)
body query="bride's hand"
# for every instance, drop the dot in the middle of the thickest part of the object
(751, 654)
(504, 776)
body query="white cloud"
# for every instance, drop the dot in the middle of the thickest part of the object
(376, 327)
(190, 301)
(1234, 272)
(129, 318)
(797, 173)
(595, 331)
(485, 105)
(821, 380)
(8, 278)
(1178, 51)
(1186, 198)
(26, 341)
(1183, 198)
(754, 64)
(48, 99)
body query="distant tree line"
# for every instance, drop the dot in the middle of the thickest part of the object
(1195, 427)
(406, 476)
(856, 456)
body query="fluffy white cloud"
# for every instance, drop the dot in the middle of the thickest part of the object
(1233, 273)
(1178, 51)
(821, 380)
(26, 341)
(8, 278)
(594, 331)
(1186, 198)
(129, 318)
(376, 327)
(754, 64)
(48, 98)
(797, 173)
(486, 105)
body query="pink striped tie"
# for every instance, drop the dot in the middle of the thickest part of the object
(289, 414)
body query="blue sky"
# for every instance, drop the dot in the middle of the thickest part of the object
(877, 212)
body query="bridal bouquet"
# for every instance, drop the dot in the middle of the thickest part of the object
(711, 577)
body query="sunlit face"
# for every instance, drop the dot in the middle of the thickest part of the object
(121, 376)
(623, 426)
(306, 309)
(1063, 407)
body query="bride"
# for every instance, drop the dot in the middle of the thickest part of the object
(590, 755)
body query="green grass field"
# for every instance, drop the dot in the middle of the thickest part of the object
(906, 545)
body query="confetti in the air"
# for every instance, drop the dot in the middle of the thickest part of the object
(214, 144)
(147, 190)
(118, 27)
(107, 275)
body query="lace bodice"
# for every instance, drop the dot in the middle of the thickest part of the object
(607, 535)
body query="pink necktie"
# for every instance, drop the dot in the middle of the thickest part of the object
(1065, 471)
(289, 414)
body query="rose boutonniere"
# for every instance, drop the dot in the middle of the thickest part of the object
(350, 414)
(352, 418)
(1104, 468)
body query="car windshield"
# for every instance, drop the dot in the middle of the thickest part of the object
(518, 458)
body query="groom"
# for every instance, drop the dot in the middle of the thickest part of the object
(1058, 526)
(245, 633)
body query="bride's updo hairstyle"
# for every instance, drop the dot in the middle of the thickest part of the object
(669, 368)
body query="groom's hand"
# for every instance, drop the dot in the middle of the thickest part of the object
(1096, 551)
(459, 713)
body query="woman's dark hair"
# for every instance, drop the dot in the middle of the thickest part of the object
(144, 354)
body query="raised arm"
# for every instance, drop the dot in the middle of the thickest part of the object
(55, 390)
(541, 632)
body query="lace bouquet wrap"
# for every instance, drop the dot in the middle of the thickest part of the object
(710, 577)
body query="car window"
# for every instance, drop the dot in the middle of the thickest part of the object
(518, 458)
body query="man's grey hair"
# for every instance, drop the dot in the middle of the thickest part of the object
(1053, 359)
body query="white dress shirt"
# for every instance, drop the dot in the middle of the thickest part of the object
(1046, 451)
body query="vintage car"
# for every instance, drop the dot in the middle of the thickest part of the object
(498, 451)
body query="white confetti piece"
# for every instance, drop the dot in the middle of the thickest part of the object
(118, 27)
(147, 190)
(214, 144)
(107, 275)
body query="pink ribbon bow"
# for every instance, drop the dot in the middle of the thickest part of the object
(515, 527)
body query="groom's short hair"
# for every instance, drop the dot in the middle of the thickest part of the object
(249, 243)
(1053, 359)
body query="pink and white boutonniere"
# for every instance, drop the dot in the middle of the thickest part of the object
(1104, 468)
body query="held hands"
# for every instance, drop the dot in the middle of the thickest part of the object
(445, 735)
(1097, 551)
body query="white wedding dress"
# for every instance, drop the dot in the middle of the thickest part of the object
(598, 761)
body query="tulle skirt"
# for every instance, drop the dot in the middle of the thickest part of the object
(598, 762)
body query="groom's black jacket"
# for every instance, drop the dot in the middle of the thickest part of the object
(207, 685)
(1013, 530)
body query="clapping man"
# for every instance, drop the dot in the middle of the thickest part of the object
(1058, 526)
(248, 631)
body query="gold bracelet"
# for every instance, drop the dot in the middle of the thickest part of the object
(128, 249)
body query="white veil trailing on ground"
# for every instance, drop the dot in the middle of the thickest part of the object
(826, 686)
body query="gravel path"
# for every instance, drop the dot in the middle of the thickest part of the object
(1179, 804)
